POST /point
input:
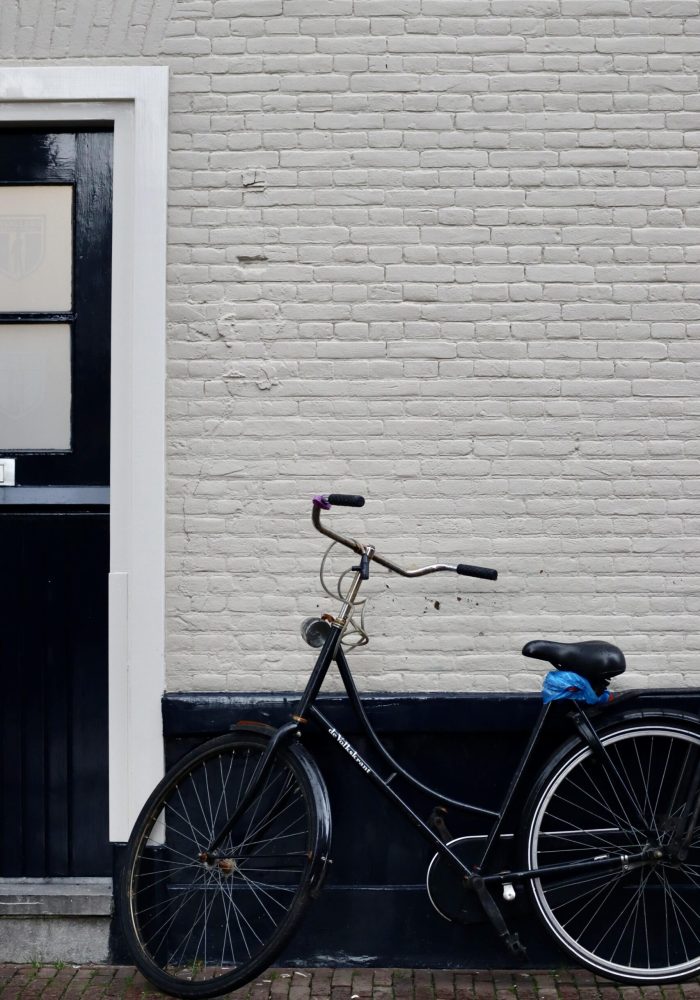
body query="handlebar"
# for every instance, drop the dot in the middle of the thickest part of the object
(346, 500)
(343, 500)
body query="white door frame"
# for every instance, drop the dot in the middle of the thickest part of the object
(135, 100)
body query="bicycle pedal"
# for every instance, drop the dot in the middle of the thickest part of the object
(437, 823)
(515, 946)
(508, 892)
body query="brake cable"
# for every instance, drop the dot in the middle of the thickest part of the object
(355, 633)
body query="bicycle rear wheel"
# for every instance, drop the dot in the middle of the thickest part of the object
(202, 928)
(637, 922)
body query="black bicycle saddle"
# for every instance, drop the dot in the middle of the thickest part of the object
(593, 659)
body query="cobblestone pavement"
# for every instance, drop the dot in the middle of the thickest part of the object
(99, 982)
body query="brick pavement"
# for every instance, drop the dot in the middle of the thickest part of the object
(103, 982)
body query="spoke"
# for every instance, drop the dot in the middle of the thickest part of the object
(164, 905)
(290, 868)
(692, 879)
(203, 936)
(666, 927)
(224, 787)
(259, 885)
(259, 798)
(558, 886)
(646, 781)
(621, 822)
(696, 916)
(205, 768)
(282, 835)
(240, 913)
(203, 837)
(172, 850)
(210, 832)
(262, 824)
(663, 779)
(287, 854)
(595, 913)
(673, 894)
(267, 817)
(227, 928)
(242, 782)
(668, 895)
(168, 924)
(181, 947)
(642, 900)
(681, 774)
(149, 888)
(625, 814)
(633, 908)
(569, 838)
(163, 864)
(268, 885)
(627, 783)
(276, 836)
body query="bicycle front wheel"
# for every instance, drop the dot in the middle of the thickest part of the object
(199, 927)
(634, 922)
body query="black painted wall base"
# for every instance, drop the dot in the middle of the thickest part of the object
(374, 909)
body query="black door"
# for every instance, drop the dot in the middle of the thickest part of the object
(55, 279)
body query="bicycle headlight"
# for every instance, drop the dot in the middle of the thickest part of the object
(314, 631)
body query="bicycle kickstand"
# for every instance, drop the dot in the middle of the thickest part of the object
(492, 911)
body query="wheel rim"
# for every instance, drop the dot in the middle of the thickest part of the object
(642, 923)
(199, 920)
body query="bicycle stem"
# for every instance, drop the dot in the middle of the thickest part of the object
(351, 597)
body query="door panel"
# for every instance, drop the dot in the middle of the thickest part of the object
(55, 203)
(53, 713)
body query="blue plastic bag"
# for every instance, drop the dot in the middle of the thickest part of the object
(560, 684)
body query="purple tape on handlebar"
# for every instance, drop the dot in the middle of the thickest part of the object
(320, 501)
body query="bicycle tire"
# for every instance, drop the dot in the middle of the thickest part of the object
(635, 924)
(199, 929)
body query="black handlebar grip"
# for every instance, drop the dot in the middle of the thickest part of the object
(346, 500)
(479, 571)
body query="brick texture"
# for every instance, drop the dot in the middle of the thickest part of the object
(109, 982)
(444, 253)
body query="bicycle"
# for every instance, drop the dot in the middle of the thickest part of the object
(234, 842)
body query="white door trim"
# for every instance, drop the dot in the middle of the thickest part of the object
(135, 100)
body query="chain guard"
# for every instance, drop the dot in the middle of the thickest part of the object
(452, 899)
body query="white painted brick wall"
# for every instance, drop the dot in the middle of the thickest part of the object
(444, 253)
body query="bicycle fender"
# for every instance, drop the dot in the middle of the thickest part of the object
(322, 834)
(635, 701)
(264, 728)
(614, 718)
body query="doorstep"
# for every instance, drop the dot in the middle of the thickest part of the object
(55, 919)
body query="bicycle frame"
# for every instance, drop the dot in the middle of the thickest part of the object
(307, 709)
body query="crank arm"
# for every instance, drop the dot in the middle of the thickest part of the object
(492, 911)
